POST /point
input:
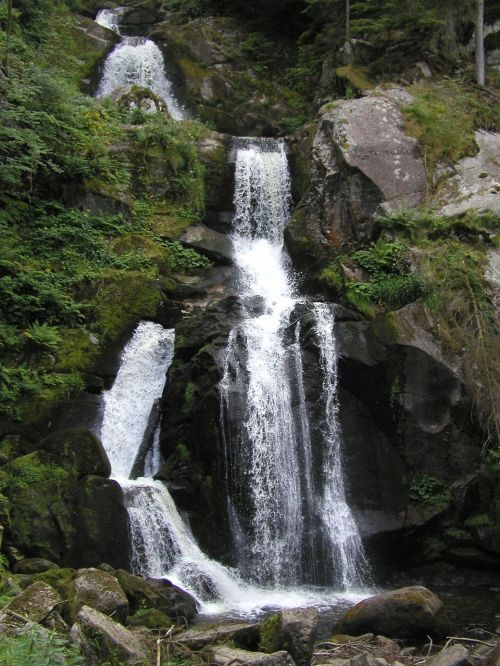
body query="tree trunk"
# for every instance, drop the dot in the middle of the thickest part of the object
(348, 45)
(480, 67)
(8, 33)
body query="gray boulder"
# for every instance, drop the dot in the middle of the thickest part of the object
(223, 654)
(244, 634)
(35, 603)
(360, 163)
(409, 612)
(456, 655)
(100, 639)
(475, 184)
(211, 243)
(292, 630)
(99, 590)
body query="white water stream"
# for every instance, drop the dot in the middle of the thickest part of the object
(161, 543)
(135, 61)
(271, 474)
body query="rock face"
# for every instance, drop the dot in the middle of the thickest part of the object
(100, 639)
(245, 635)
(100, 591)
(361, 163)
(405, 418)
(410, 612)
(56, 502)
(476, 183)
(221, 84)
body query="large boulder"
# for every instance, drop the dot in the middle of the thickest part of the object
(411, 612)
(102, 640)
(361, 163)
(211, 243)
(80, 450)
(159, 595)
(99, 590)
(35, 603)
(292, 630)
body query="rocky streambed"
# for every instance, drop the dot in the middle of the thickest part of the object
(114, 617)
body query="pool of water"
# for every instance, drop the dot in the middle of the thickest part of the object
(473, 611)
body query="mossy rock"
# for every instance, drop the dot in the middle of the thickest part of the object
(270, 639)
(123, 300)
(79, 451)
(41, 519)
(152, 618)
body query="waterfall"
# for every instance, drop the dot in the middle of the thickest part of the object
(161, 543)
(128, 404)
(339, 524)
(135, 61)
(283, 508)
(110, 18)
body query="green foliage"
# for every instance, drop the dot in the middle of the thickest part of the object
(445, 115)
(479, 520)
(185, 259)
(66, 271)
(389, 279)
(35, 647)
(428, 490)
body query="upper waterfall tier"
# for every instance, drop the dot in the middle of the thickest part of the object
(135, 61)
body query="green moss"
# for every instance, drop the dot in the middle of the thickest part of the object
(269, 641)
(479, 520)
(76, 351)
(122, 300)
(189, 398)
(354, 78)
(444, 117)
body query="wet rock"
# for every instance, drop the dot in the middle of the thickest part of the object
(100, 536)
(410, 612)
(292, 630)
(244, 634)
(98, 590)
(223, 655)
(213, 244)
(160, 595)
(33, 565)
(457, 655)
(100, 639)
(35, 603)
(79, 449)
(220, 82)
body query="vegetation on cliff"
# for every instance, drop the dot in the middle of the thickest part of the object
(74, 273)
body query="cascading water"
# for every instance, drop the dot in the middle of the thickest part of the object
(282, 507)
(135, 61)
(161, 543)
(339, 525)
